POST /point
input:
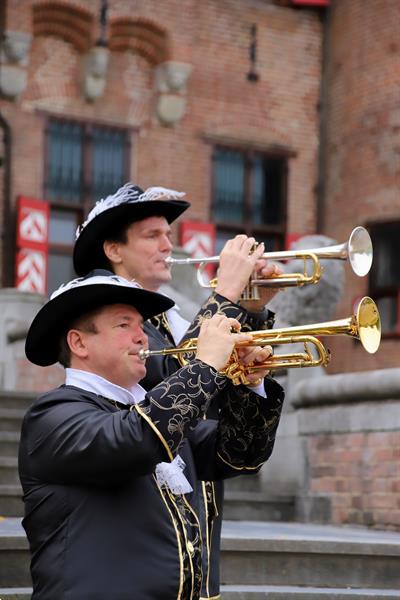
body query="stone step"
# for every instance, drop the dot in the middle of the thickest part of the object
(15, 593)
(258, 556)
(297, 554)
(11, 419)
(16, 400)
(258, 506)
(9, 470)
(14, 555)
(9, 441)
(268, 592)
(11, 504)
(253, 592)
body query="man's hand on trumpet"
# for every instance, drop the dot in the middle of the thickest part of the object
(237, 263)
(263, 270)
(253, 356)
(217, 339)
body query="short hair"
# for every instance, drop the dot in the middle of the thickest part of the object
(85, 323)
(119, 234)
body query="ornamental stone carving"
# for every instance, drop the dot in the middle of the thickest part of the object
(171, 80)
(95, 72)
(14, 57)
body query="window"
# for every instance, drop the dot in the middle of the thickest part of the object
(385, 274)
(249, 196)
(83, 164)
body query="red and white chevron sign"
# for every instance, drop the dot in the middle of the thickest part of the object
(198, 239)
(31, 272)
(33, 226)
(32, 241)
(33, 223)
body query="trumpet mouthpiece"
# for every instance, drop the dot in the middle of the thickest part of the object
(143, 354)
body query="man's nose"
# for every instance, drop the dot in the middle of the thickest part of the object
(140, 337)
(166, 243)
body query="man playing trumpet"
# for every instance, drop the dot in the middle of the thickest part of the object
(129, 233)
(111, 474)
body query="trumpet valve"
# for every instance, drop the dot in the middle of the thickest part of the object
(250, 292)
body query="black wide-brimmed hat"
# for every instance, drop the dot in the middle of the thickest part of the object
(79, 296)
(130, 203)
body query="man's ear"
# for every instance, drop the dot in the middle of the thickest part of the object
(76, 343)
(112, 251)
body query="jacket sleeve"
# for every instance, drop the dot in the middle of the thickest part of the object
(219, 304)
(242, 438)
(76, 440)
(160, 367)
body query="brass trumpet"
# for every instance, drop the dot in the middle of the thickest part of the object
(357, 250)
(365, 326)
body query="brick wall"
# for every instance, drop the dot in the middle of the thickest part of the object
(361, 173)
(281, 108)
(359, 474)
(362, 170)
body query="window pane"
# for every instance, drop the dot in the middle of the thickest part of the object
(386, 265)
(222, 237)
(107, 161)
(60, 271)
(228, 193)
(64, 161)
(62, 227)
(268, 180)
(272, 243)
(388, 312)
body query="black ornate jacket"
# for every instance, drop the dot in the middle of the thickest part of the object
(98, 524)
(211, 493)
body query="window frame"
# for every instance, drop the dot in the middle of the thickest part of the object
(82, 207)
(389, 291)
(248, 227)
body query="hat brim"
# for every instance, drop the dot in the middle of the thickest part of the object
(88, 250)
(54, 318)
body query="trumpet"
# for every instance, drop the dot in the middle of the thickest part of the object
(364, 325)
(357, 250)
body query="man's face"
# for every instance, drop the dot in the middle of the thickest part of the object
(143, 256)
(112, 352)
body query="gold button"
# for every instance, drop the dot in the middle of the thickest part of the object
(190, 547)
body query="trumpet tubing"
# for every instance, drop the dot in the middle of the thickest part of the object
(364, 325)
(357, 250)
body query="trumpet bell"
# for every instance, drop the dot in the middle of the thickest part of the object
(369, 325)
(360, 251)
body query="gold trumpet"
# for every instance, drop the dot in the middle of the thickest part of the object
(365, 326)
(357, 250)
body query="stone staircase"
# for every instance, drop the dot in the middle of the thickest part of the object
(286, 561)
(12, 409)
(264, 555)
(247, 500)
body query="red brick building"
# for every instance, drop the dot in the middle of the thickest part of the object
(279, 118)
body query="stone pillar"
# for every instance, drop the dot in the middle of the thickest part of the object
(17, 310)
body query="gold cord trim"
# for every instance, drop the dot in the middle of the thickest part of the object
(150, 422)
(203, 488)
(178, 540)
(186, 540)
(239, 468)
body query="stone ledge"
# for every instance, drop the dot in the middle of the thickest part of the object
(383, 384)
(365, 417)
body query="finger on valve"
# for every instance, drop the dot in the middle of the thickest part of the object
(216, 341)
